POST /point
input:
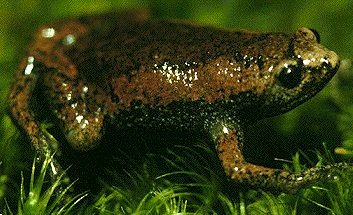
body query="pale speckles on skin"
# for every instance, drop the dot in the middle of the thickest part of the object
(271, 68)
(232, 77)
(74, 105)
(67, 92)
(83, 125)
(226, 71)
(173, 74)
(324, 60)
(79, 118)
(69, 40)
(267, 74)
(315, 61)
(314, 55)
(77, 113)
(164, 83)
(48, 32)
(85, 89)
(225, 130)
(69, 96)
(307, 61)
(51, 43)
(30, 66)
(83, 122)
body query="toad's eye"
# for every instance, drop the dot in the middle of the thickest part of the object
(317, 35)
(290, 76)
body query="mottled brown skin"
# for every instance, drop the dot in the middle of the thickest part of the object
(126, 70)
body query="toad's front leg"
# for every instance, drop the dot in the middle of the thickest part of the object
(228, 140)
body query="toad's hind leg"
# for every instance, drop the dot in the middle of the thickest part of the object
(20, 109)
(228, 142)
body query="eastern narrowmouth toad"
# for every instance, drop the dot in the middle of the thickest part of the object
(125, 70)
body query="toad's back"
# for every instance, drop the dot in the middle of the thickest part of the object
(158, 62)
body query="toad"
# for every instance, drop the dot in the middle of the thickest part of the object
(126, 70)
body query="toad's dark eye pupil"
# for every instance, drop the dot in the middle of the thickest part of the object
(290, 76)
(317, 35)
